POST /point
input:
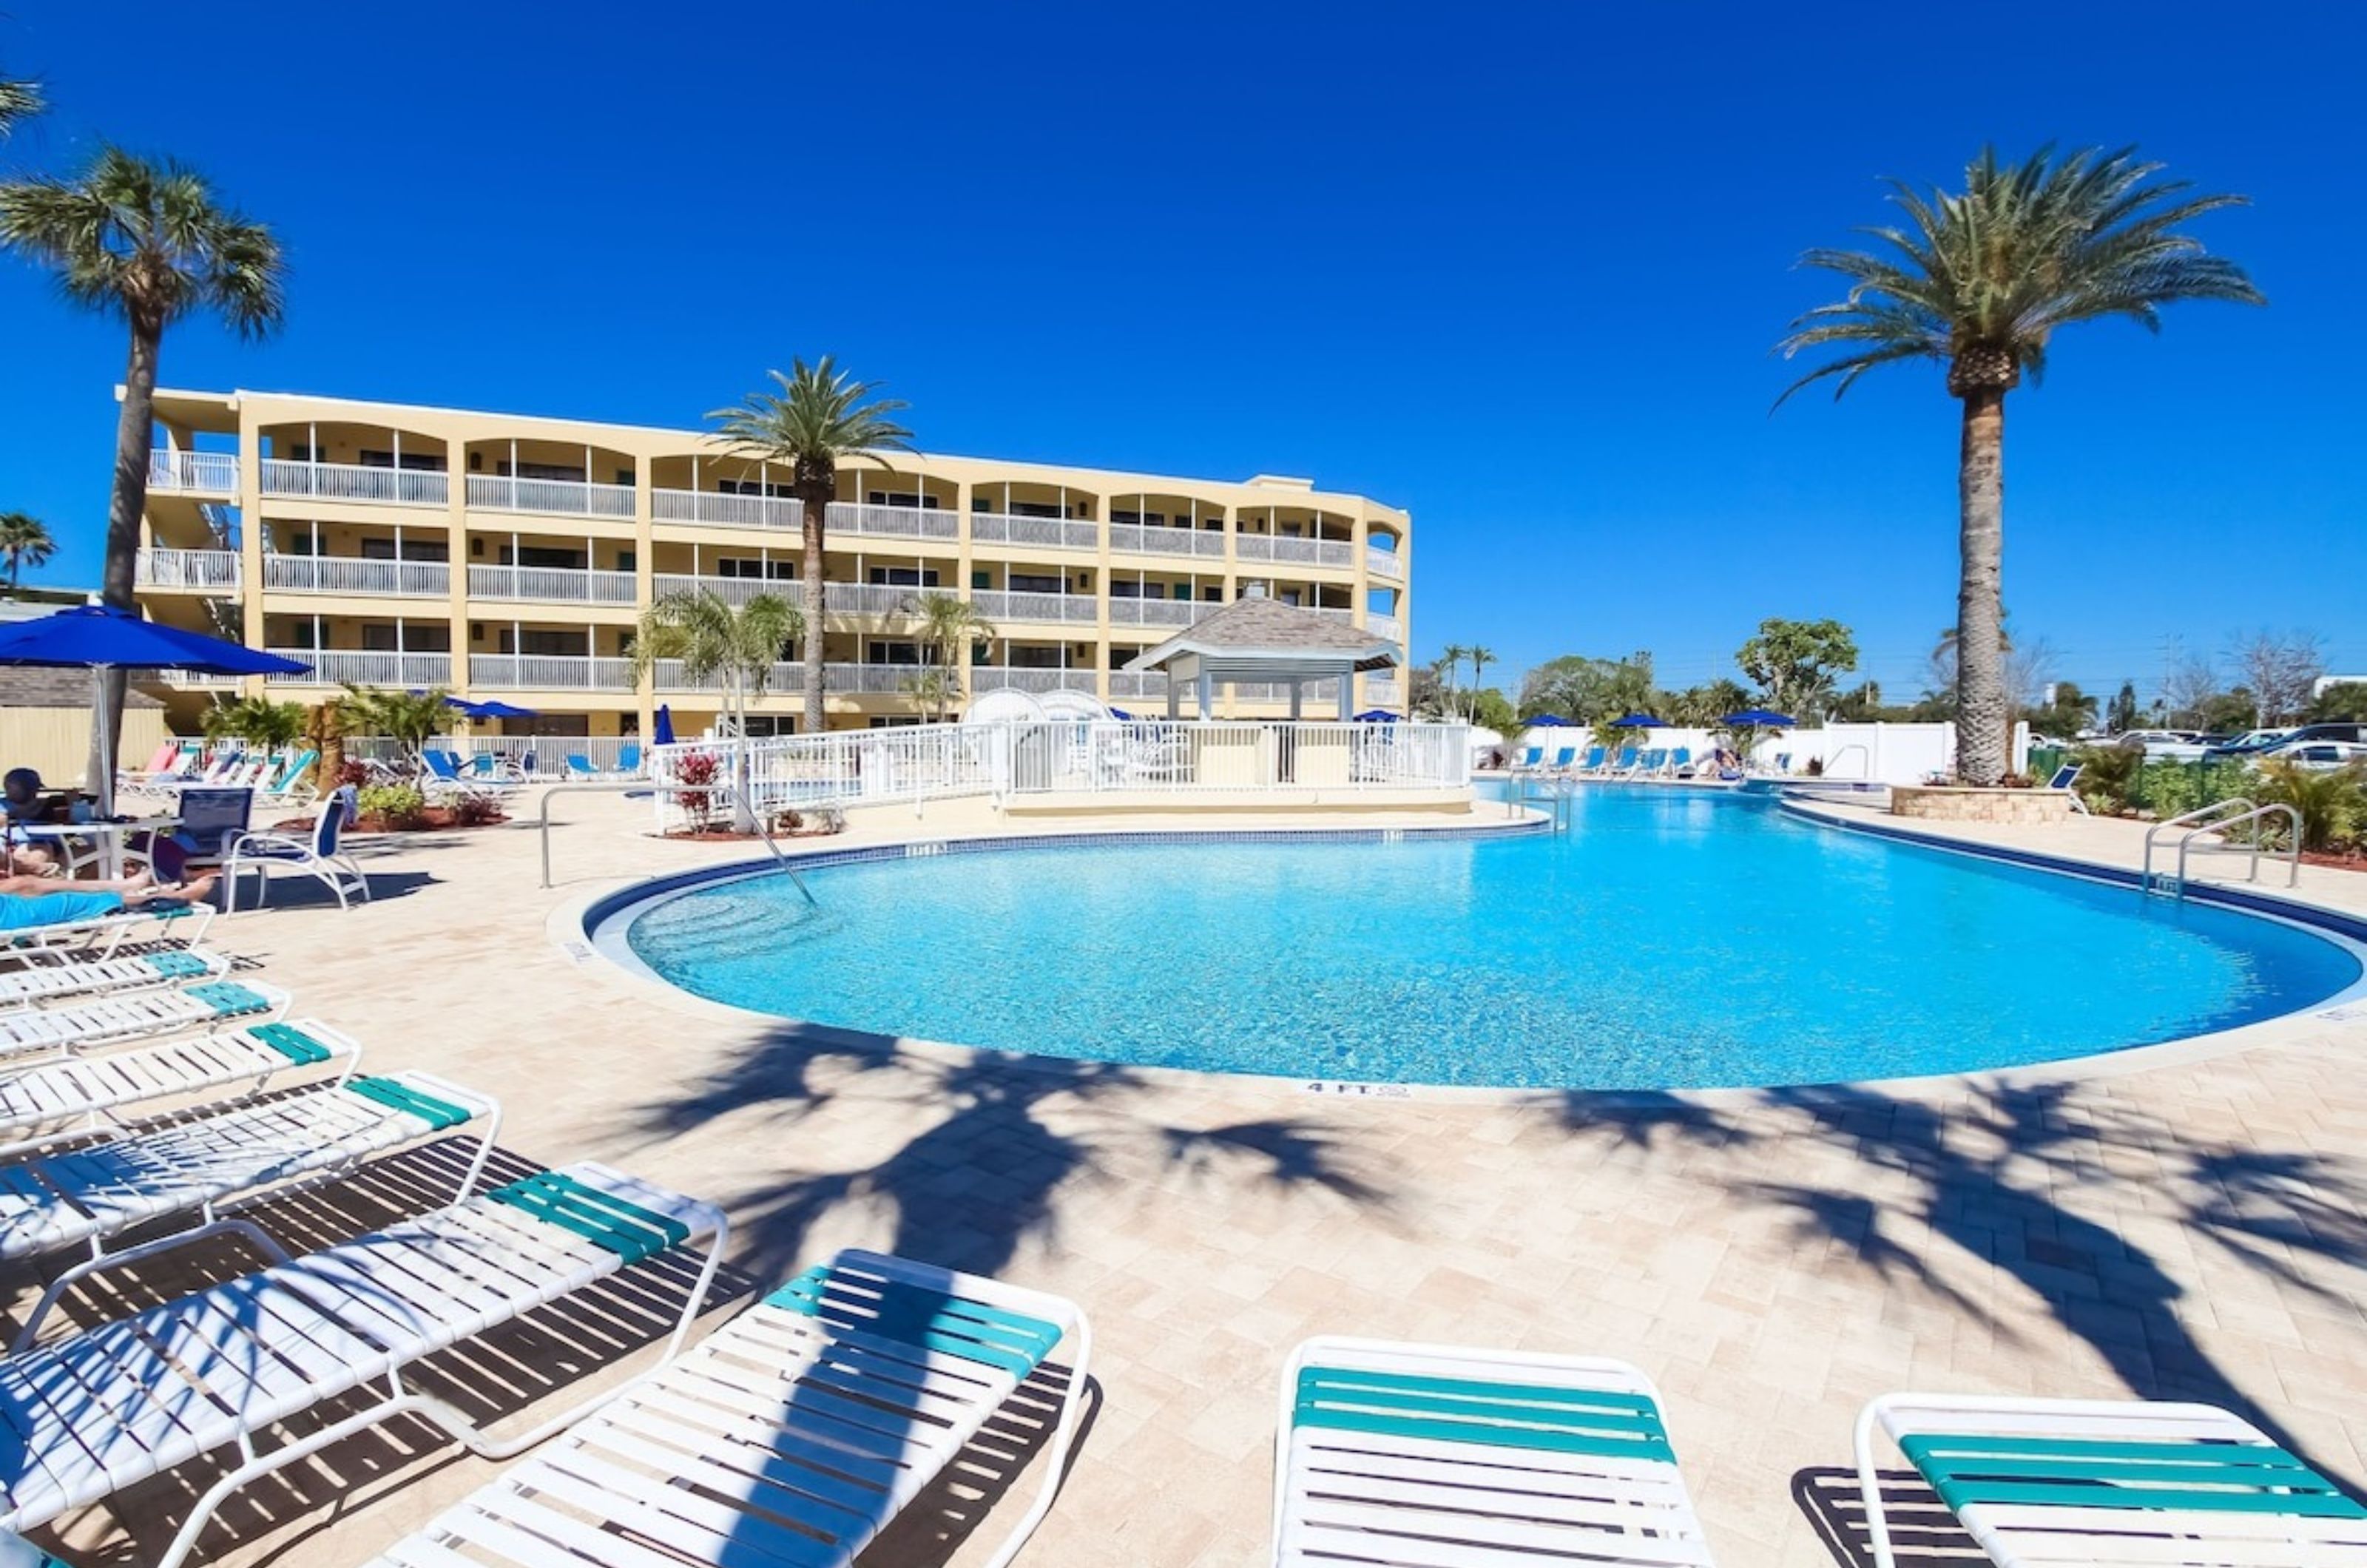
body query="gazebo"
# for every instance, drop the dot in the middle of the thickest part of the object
(1262, 639)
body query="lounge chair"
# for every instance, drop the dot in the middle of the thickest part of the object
(1593, 761)
(579, 767)
(87, 1415)
(290, 783)
(1563, 759)
(2067, 779)
(1625, 763)
(1528, 760)
(791, 1435)
(321, 857)
(628, 758)
(1681, 762)
(87, 1195)
(99, 936)
(69, 1098)
(2064, 1481)
(26, 984)
(82, 1026)
(1439, 1455)
(446, 776)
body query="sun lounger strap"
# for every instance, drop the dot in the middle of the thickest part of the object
(629, 1231)
(291, 1043)
(2079, 1473)
(399, 1096)
(930, 1320)
(229, 999)
(177, 965)
(1596, 1422)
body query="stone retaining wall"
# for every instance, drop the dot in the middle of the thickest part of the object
(1958, 804)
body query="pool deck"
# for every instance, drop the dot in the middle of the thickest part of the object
(2196, 1228)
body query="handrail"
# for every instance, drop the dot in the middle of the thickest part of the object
(2198, 819)
(619, 787)
(1844, 751)
(2293, 851)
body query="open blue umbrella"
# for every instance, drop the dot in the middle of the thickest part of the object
(1637, 721)
(1552, 721)
(100, 637)
(1121, 713)
(1376, 716)
(489, 708)
(663, 734)
(1762, 718)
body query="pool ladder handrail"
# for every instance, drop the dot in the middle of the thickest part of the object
(2218, 818)
(1557, 790)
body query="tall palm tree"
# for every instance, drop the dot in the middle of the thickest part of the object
(950, 627)
(1454, 653)
(1481, 657)
(734, 647)
(150, 244)
(25, 542)
(1980, 282)
(820, 419)
(19, 101)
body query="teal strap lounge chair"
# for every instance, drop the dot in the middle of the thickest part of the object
(628, 758)
(789, 1437)
(138, 1015)
(1449, 1457)
(2039, 1482)
(223, 1371)
(74, 1096)
(24, 984)
(1681, 759)
(1563, 758)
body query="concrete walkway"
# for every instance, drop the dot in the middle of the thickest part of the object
(2194, 1229)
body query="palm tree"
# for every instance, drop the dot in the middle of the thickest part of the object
(1980, 282)
(1481, 658)
(258, 721)
(735, 647)
(819, 419)
(149, 244)
(950, 627)
(1452, 654)
(19, 101)
(410, 719)
(25, 542)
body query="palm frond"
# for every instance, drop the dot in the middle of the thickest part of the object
(19, 101)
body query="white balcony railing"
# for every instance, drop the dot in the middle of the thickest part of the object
(333, 667)
(1067, 609)
(734, 589)
(1050, 533)
(1383, 693)
(207, 572)
(1128, 538)
(892, 522)
(1385, 625)
(1125, 612)
(554, 672)
(355, 481)
(1379, 562)
(726, 511)
(872, 598)
(558, 497)
(348, 574)
(1139, 685)
(556, 585)
(209, 473)
(1027, 678)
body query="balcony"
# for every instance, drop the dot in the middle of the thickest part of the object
(552, 673)
(1025, 678)
(355, 481)
(1068, 609)
(892, 522)
(719, 511)
(334, 667)
(1048, 533)
(1128, 538)
(551, 585)
(1383, 692)
(1126, 612)
(1142, 685)
(201, 473)
(1379, 562)
(1282, 547)
(734, 589)
(201, 572)
(345, 574)
(1388, 626)
(552, 498)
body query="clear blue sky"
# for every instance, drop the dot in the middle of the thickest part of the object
(1515, 268)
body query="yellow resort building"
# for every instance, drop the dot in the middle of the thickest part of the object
(509, 557)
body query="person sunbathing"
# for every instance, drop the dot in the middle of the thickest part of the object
(30, 901)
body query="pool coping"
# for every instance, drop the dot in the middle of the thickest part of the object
(590, 929)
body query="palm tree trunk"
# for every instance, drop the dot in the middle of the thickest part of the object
(815, 498)
(743, 809)
(134, 428)
(1980, 647)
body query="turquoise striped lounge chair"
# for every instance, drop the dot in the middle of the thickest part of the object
(26, 984)
(105, 1020)
(2039, 1482)
(74, 1095)
(1440, 1455)
(791, 1435)
(90, 1413)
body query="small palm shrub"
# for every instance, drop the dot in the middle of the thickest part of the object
(2108, 776)
(397, 807)
(2331, 801)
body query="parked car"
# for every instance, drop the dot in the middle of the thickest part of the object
(2163, 745)
(2315, 755)
(2348, 734)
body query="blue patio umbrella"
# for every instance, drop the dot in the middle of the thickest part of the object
(490, 709)
(1552, 721)
(100, 637)
(1637, 721)
(1762, 718)
(1376, 716)
(1121, 713)
(663, 733)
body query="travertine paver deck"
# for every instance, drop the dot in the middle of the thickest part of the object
(2196, 1229)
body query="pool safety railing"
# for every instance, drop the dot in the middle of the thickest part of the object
(2220, 819)
(1552, 794)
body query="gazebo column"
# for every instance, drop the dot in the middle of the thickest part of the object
(1347, 681)
(1297, 687)
(1206, 689)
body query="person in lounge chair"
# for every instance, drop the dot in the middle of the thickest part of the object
(30, 901)
(25, 798)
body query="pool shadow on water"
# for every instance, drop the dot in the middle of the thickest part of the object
(1986, 1173)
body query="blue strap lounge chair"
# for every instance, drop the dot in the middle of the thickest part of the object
(1595, 755)
(2067, 779)
(1439, 1454)
(1530, 755)
(1563, 758)
(1654, 762)
(1626, 760)
(579, 767)
(628, 758)
(2059, 1481)
(321, 857)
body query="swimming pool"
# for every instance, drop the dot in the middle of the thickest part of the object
(1671, 940)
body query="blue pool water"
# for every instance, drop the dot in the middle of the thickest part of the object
(1671, 940)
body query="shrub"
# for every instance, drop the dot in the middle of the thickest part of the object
(475, 811)
(2108, 776)
(353, 772)
(2329, 800)
(397, 806)
(698, 768)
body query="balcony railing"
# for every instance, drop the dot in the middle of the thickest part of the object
(734, 589)
(211, 473)
(1385, 625)
(1139, 685)
(1379, 562)
(871, 598)
(562, 498)
(1050, 533)
(355, 481)
(1068, 609)
(556, 585)
(892, 522)
(207, 572)
(1126, 612)
(1282, 547)
(1128, 538)
(541, 672)
(346, 574)
(726, 511)
(1383, 693)
(331, 666)
(1026, 678)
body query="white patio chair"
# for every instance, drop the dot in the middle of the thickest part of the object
(322, 856)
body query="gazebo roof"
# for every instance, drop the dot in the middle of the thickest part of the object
(1260, 630)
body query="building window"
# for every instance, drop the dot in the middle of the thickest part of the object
(899, 653)
(1036, 659)
(904, 575)
(546, 643)
(750, 567)
(904, 498)
(1027, 582)
(569, 473)
(752, 487)
(413, 550)
(415, 462)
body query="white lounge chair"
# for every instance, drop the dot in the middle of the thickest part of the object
(788, 1436)
(100, 936)
(26, 984)
(74, 1095)
(321, 857)
(1437, 1455)
(86, 1196)
(80, 1026)
(2041, 1483)
(87, 1415)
